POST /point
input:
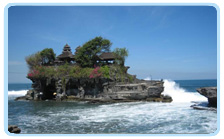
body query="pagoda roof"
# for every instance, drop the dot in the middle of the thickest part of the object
(66, 46)
(107, 56)
(66, 53)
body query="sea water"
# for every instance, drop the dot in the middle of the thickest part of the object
(49, 117)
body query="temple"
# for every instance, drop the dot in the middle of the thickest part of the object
(66, 56)
(107, 58)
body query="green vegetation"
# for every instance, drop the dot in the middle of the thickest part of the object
(78, 72)
(86, 55)
(106, 71)
(33, 60)
(114, 72)
(130, 78)
(121, 54)
(44, 57)
(41, 64)
(47, 56)
(118, 73)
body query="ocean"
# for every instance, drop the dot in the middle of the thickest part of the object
(49, 117)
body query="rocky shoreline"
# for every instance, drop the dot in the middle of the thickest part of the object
(210, 93)
(97, 91)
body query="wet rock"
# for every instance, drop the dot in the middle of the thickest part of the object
(29, 96)
(167, 98)
(20, 98)
(14, 129)
(210, 93)
(203, 106)
(162, 98)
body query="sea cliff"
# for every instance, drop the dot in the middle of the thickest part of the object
(96, 90)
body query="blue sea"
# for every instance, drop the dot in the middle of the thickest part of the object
(49, 117)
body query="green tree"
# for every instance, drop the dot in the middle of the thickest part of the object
(120, 54)
(87, 54)
(47, 56)
(33, 60)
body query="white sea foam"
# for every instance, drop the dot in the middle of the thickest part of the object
(147, 78)
(134, 117)
(178, 94)
(17, 93)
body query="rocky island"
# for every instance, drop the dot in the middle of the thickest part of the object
(93, 74)
(210, 93)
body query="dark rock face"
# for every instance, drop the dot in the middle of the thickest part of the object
(14, 129)
(96, 90)
(210, 93)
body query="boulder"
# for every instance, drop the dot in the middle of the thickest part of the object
(210, 93)
(29, 96)
(14, 129)
(20, 98)
(166, 98)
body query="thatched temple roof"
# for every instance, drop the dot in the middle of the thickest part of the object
(66, 53)
(107, 56)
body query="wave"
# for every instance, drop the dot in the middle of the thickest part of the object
(179, 94)
(17, 93)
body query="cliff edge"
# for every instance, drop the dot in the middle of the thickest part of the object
(210, 93)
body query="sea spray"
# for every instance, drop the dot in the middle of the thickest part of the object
(178, 94)
(17, 93)
(13, 94)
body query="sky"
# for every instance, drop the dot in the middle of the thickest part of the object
(164, 42)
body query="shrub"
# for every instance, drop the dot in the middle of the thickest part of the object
(62, 70)
(78, 72)
(85, 72)
(120, 54)
(33, 73)
(95, 73)
(47, 56)
(33, 60)
(113, 71)
(131, 78)
(44, 57)
(105, 70)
